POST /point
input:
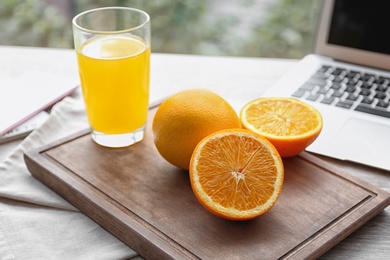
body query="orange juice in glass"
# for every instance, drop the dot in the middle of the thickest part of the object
(113, 51)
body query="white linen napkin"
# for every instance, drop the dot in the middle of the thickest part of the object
(35, 222)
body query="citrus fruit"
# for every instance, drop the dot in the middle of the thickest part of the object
(187, 117)
(288, 123)
(236, 174)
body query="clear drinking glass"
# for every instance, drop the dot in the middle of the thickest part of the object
(113, 51)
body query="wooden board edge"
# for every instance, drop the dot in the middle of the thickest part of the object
(344, 226)
(142, 243)
(137, 235)
(339, 230)
(380, 194)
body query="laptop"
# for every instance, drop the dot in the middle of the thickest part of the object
(347, 78)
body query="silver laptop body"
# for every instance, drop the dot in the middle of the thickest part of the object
(347, 79)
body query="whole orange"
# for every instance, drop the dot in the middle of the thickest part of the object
(185, 118)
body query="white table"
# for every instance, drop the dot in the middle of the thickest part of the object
(238, 80)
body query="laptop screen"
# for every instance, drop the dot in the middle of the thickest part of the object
(355, 31)
(361, 24)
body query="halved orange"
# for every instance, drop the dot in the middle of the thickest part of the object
(288, 123)
(236, 174)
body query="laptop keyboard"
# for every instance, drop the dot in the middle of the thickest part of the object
(348, 89)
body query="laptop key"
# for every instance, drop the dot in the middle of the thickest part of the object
(344, 104)
(299, 93)
(382, 104)
(337, 79)
(313, 97)
(381, 88)
(380, 80)
(350, 88)
(351, 74)
(366, 85)
(317, 82)
(324, 68)
(367, 100)
(336, 85)
(339, 71)
(328, 100)
(337, 93)
(365, 92)
(323, 91)
(368, 77)
(373, 111)
(380, 95)
(352, 97)
(308, 86)
(320, 75)
(352, 81)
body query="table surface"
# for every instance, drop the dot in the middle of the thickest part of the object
(238, 80)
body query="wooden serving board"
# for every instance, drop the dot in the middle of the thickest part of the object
(148, 204)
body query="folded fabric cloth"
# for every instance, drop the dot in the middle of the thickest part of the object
(35, 222)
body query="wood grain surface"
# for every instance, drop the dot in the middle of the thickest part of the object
(147, 203)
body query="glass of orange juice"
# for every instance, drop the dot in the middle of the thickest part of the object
(113, 52)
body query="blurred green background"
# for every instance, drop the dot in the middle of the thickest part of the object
(252, 28)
